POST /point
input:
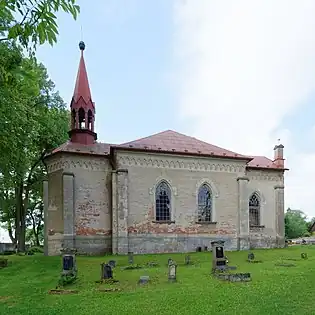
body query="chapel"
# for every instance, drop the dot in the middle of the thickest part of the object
(167, 192)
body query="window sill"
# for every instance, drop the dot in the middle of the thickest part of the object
(206, 222)
(164, 222)
(256, 226)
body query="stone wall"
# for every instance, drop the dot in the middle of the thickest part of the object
(231, 185)
(184, 175)
(79, 203)
(268, 185)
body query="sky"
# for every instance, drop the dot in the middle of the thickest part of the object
(239, 74)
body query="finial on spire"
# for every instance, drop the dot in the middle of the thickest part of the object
(81, 45)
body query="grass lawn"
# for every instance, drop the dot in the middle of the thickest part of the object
(25, 284)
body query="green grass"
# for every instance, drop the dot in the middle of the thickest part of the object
(25, 284)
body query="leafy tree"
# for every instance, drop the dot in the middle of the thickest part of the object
(295, 223)
(33, 22)
(34, 120)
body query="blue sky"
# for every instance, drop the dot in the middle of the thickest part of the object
(128, 57)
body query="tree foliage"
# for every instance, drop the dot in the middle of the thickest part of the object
(296, 224)
(33, 22)
(34, 121)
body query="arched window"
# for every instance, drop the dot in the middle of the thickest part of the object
(73, 119)
(81, 118)
(90, 117)
(163, 202)
(204, 204)
(254, 210)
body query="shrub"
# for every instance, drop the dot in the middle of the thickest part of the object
(35, 249)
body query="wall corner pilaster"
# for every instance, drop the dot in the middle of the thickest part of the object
(243, 237)
(122, 191)
(279, 215)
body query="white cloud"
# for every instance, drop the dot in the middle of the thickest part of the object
(241, 67)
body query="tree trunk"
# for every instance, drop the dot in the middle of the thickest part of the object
(20, 216)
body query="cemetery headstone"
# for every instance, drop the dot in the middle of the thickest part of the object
(251, 256)
(172, 271)
(69, 267)
(106, 272)
(218, 258)
(169, 261)
(112, 263)
(130, 258)
(144, 279)
(187, 260)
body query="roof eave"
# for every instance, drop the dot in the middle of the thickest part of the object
(242, 158)
(267, 168)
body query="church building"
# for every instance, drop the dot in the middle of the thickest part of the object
(167, 192)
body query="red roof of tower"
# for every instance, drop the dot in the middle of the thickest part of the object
(82, 87)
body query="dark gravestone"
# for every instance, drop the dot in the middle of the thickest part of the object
(112, 263)
(144, 279)
(187, 260)
(199, 249)
(251, 256)
(106, 272)
(219, 252)
(68, 262)
(205, 248)
(130, 258)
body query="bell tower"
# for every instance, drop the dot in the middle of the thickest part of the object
(82, 107)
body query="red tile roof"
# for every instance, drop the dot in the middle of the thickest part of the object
(172, 141)
(169, 142)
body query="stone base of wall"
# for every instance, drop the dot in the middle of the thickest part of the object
(142, 244)
(154, 244)
(93, 245)
(54, 244)
(263, 242)
(85, 245)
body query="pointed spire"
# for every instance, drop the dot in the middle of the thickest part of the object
(82, 87)
(82, 107)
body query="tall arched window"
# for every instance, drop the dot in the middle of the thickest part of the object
(204, 204)
(254, 210)
(90, 117)
(81, 118)
(163, 202)
(73, 119)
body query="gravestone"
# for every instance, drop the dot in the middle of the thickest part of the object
(187, 260)
(205, 248)
(169, 261)
(144, 280)
(106, 272)
(251, 256)
(218, 257)
(199, 249)
(112, 263)
(172, 271)
(69, 266)
(130, 258)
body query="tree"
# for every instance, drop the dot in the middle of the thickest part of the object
(34, 121)
(295, 223)
(33, 22)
